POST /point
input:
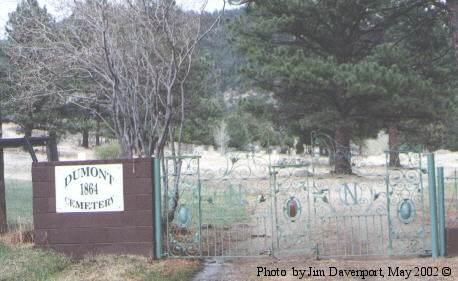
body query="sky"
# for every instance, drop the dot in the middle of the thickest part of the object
(8, 6)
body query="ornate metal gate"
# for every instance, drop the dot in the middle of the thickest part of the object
(220, 209)
(407, 217)
(252, 205)
(292, 213)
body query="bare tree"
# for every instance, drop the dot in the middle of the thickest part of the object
(130, 58)
(135, 56)
(3, 221)
(222, 137)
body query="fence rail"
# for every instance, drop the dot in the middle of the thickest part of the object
(250, 205)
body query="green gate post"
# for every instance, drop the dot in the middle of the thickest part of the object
(200, 206)
(388, 203)
(432, 204)
(441, 210)
(157, 207)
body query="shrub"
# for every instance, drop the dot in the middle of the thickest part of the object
(108, 151)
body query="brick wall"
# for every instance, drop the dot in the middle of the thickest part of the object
(451, 240)
(77, 234)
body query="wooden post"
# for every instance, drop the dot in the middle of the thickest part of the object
(3, 223)
(51, 147)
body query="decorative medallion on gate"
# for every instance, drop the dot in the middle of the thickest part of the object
(245, 207)
(184, 217)
(406, 202)
(406, 211)
(222, 210)
(181, 201)
(292, 209)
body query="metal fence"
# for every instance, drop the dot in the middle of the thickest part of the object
(219, 211)
(256, 205)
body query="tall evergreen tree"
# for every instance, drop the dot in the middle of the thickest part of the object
(313, 56)
(31, 68)
(421, 44)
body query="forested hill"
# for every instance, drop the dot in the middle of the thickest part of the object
(218, 49)
(264, 76)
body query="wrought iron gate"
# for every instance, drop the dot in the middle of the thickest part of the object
(292, 212)
(407, 216)
(252, 206)
(222, 209)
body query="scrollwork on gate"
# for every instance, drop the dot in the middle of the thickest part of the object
(255, 204)
(406, 202)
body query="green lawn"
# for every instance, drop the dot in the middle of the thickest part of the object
(25, 263)
(19, 204)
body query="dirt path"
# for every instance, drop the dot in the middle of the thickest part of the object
(384, 269)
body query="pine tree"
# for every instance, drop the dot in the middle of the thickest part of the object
(420, 45)
(314, 56)
(30, 57)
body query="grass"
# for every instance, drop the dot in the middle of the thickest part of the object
(221, 205)
(24, 263)
(19, 204)
(170, 270)
(108, 151)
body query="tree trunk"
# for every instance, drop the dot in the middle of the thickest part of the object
(300, 148)
(393, 146)
(126, 147)
(85, 142)
(28, 130)
(332, 157)
(97, 133)
(51, 147)
(453, 9)
(27, 133)
(342, 156)
(3, 224)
